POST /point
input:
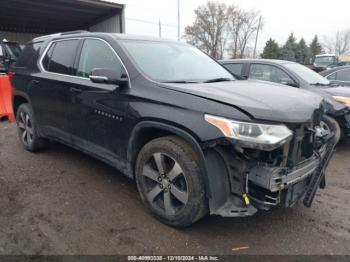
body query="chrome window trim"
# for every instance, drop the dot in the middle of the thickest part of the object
(42, 69)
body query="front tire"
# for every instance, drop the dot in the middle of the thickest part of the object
(27, 129)
(170, 182)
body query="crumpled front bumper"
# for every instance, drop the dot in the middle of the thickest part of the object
(284, 184)
(265, 186)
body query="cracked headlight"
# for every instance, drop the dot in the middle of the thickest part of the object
(253, 133)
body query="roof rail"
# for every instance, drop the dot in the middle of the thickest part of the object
(59, 34)
(74, 32)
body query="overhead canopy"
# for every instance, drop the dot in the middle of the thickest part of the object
(46, 17)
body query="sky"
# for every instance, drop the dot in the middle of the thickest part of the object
(304, 18)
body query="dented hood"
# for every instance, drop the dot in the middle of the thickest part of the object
(258, 99)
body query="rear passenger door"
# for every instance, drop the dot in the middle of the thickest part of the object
(98, 111)
(50, 92)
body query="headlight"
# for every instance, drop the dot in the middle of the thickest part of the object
(342, 99)
(258, 134)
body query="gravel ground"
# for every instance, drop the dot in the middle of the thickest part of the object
(60, 201)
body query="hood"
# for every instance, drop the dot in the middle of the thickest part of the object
(260, 100)
(338, 91)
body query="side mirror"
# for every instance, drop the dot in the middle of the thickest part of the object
(109, 76)
(288, 82)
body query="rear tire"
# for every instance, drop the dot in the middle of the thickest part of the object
(170, 182)
(329, 123)
(27, 129)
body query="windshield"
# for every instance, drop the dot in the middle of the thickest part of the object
(324, 60)
(13, 48)
(174, 62)
(307, 74)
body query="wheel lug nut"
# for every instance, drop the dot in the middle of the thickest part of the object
(163, 176)
(161, 186)
(165, 190)
(159, 179)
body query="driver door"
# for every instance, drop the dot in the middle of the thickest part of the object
(98, 111)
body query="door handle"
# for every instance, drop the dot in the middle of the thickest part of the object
(76, 90)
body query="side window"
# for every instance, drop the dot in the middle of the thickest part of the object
(1, 51)
(29, 55)
(236, 69)
(343, 75)
(60, 57)
(268, 73)
(332, 76)
(97, 54)
(47, 57)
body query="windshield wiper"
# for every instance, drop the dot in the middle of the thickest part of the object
(220, 79)
(180, 82)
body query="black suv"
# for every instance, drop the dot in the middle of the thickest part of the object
(164, 113)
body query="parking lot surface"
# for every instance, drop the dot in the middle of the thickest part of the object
(60, 201)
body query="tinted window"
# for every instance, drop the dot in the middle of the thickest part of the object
(235, 69)
(47, 57)
(29, 55)
(97, 54)
(343, 75)
(268, 73)
(60, 57)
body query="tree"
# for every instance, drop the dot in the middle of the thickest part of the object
(302, 52)
(289, 49)
(242, 25)
(339, 45)
(315, 47)
(208, 30)
(271, 50)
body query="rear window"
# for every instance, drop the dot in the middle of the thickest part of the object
(29, 56)
(61, 56)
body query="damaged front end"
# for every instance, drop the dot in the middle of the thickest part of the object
(261, 176)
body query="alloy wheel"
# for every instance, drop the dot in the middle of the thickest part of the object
(165, 184)
(26, 128)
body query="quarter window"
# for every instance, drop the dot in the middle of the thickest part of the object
(332, 76)
(268, 73)
(97, 54)
(235, 69)
(60, 57)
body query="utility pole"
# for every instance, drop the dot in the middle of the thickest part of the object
(257, 36)
(178, 20)
(160, 29)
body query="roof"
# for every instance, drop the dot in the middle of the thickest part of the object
(46, 17)
(335, 69)
(271, 61)
(322, 55)
(84, 33)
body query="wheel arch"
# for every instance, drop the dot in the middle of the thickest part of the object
(18, 99)
(146, 131)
